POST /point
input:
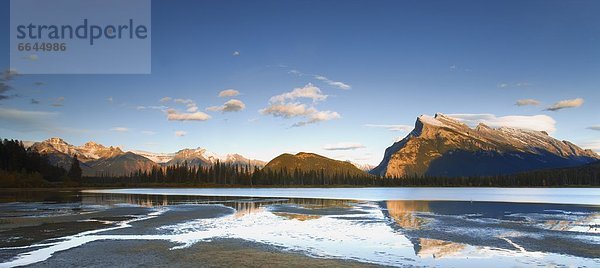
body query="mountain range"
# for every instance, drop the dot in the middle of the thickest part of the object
(97, 159)
(438, 146)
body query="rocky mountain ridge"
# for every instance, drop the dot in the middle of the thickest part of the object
(444, 146)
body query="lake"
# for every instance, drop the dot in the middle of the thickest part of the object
(449, 227)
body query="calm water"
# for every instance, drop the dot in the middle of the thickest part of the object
(455, 227)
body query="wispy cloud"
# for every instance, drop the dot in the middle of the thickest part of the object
(236, 53)
(391, 127)
(513, 85)
(232, 105)
(148, 132)
(526, 102)
(596, 127)
(322, 78)
(161, 108)
(165, 99)
(228, 93)
(338, 84)
(563, 104)
(535, 122)
(180, 133)
(456, 68)
(25, 120)
(318, 116)
(34, 101)
(343, 146)
(58, 102)
(120, 129)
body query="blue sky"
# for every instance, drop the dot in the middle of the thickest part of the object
(363, 69)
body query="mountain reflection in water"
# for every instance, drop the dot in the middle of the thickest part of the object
(393, 232)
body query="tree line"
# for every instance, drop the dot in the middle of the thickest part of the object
(220, 173)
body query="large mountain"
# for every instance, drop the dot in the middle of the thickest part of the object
(97, 159)
(313, 162)
(443, 146)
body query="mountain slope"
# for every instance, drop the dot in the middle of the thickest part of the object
(443, 146)
(312, 162)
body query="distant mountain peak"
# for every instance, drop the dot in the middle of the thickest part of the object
(56, 140)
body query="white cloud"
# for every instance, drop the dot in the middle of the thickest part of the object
(573, 103)
(232, 105)
(392, 127)
(279, 107)
(286, 110)
(317, 116)
(173, 115)
(166, 99)
(309, 91)
(525, 102)
(289, 110)
(120, 129)
(229, 93)
(596, 127)
(148, 132)
(343, 146)
(180, 133)
(338, 84)
(190, 104)
(109, 99)
(192, 109)
(236, 53)
(535, 122)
